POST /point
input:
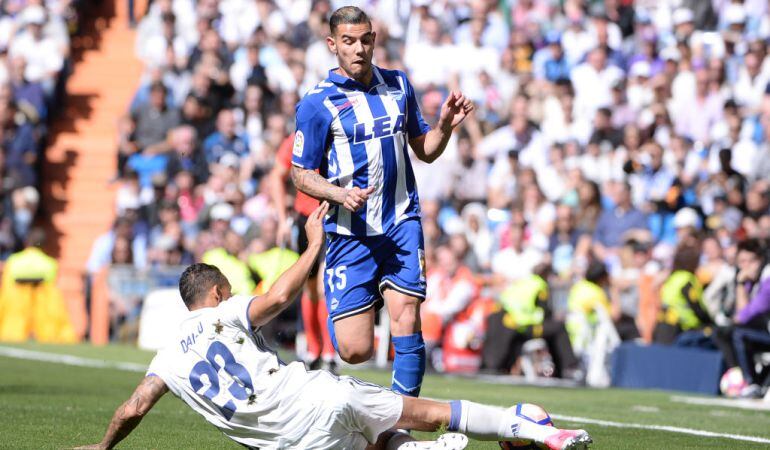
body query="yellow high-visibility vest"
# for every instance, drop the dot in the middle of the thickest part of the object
(586, 297)
(520, 301)
(676, 308)
(270, 265)
(235, 270)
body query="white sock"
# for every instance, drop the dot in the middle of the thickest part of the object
(489, 423)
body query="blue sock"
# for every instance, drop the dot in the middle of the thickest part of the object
(455, 416)
(409, 364)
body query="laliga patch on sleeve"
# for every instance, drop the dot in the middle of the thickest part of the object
(299, 144)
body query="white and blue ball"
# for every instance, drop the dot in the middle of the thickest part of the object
(531, 413)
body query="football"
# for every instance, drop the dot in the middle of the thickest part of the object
(732, 382)
(532, 413)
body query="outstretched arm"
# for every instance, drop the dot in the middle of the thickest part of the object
(130, 413)
(283, 292)
(432, 144)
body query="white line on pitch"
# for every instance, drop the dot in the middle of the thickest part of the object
(70, 360)
(133, 367)
(691, 431)
(752, 404)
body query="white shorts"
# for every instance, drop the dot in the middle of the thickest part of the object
(353, 414)
(330, 412)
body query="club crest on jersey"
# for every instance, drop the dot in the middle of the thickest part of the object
(299, 144)
(395, 94)
(378, 128)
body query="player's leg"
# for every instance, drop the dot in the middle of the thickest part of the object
(402, 284)
(354, 337)
(408, 344)
(351, 295)
(365, 412)
(484, 423)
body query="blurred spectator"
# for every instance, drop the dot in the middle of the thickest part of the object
(451, 287)
(568, 245)
(589, 207)
(154, 119)
(29, 95)
(186, 155)
(104, 245)
(527, 314)
(682, 298)
(614, 222)
(515, 260)
(744, 332)
(224, 140)
(633, 285)
(19, 145)
(32, 305)
(587, 305)
(719, 277)
(752, 295)
(227, 259)
(43, 54)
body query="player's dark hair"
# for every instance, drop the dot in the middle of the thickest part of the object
(347, 15)
(197, 280)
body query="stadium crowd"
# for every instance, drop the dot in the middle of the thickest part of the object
(616, 170)
(34, 63)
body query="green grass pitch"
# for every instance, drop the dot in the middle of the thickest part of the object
(51, 405)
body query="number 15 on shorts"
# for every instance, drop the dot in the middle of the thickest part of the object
(336, 278)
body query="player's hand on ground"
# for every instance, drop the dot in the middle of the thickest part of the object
(314, 228)
(356, 198)
(90, 447)
(454, 110)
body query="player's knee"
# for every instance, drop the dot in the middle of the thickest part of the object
(355, 353)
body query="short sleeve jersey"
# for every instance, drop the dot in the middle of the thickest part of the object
(356, 136)
(223, 370)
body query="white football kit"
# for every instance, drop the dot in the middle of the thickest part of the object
(223, 370)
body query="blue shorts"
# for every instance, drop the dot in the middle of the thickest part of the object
(359, 269)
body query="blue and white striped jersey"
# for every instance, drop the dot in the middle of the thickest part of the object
(357, 136)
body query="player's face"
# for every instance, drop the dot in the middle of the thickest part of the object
(354, 46)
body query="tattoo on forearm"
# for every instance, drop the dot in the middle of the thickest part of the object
(130, 413)
(313, 184)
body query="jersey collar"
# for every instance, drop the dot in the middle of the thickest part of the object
(350, 83)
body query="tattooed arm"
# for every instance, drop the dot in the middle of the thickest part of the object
(130, 413)
(313, 184)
